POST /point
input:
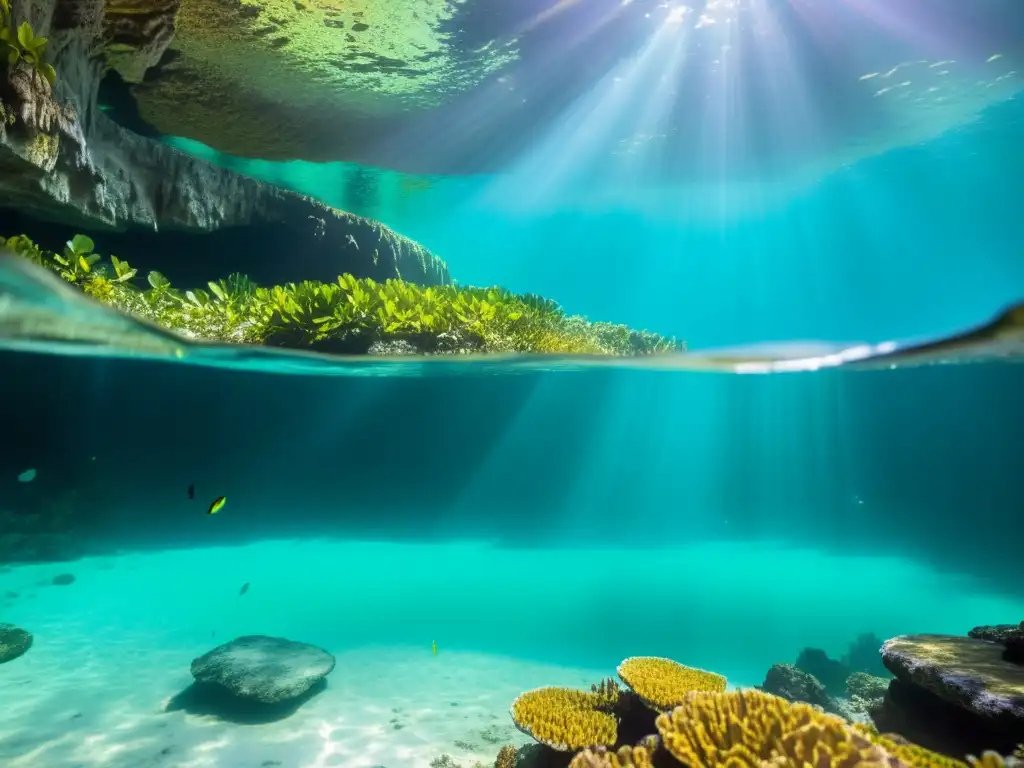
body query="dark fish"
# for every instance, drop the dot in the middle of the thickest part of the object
(244, 589)
(217, 505)
(192, 491)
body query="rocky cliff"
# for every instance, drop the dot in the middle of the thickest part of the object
(63, 160)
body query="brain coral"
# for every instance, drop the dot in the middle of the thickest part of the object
(662, 683)
(564, 719)
(752, 728)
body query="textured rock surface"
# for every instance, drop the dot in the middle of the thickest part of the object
(864, 686)
(831, 673)
(965, 671)
(281, 79)
(62, 159)
(14, 642)
(794, 684)
(265, 669)
(1010, 636)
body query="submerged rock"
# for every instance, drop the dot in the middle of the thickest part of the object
(14, 642)
(794, 684)
(831, 673)
(1010, 636)
(868, 687)
(961, 670)
(268, 670)
(953, 694)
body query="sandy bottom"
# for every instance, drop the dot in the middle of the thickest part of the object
(395, 707)
(113, 648)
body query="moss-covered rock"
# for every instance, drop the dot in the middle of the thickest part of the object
(961, 670)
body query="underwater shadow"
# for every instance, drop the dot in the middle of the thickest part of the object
(209, 700)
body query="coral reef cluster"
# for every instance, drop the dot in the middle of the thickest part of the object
(348, 316)
(668, 714)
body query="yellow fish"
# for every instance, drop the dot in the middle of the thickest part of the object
(433, 647)
(217, 505)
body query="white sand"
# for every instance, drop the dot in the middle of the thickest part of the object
(63, 705)
(113, 647)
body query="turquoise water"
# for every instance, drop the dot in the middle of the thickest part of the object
(537, 520)
(114, 647)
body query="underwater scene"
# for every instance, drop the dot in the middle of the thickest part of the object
(511, 383)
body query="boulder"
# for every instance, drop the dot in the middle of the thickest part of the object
(953, 694)
(266, 670)
(831, 673)
(961, 670)
(63, 160)
(867, 687)
(794, 684)
(14, 642)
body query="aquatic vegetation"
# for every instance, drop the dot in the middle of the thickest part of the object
(350, 316)
(565, 719)
(19, 43)
(663, 684)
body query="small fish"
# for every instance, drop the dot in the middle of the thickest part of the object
(217, 505)
(433, 647)
(244, 589)
(27, 476)
(192, 491)
(352, 241)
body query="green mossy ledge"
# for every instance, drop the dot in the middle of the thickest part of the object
(349, 316)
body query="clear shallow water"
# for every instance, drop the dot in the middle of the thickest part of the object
(114, 647)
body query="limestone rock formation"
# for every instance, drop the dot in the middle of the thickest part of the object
(14, 642)
(280, 79)
(961, 670)
(953, 694)
(62, 159)
(267, 670)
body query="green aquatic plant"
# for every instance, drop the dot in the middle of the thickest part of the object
(20, 43)
(349, 315)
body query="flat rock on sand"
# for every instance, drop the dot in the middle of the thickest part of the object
(264, 669)
(961, 670)
(14, 642)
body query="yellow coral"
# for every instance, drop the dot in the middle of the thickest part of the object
(752, 728)
(506, 757)
(607, 692)
(915, 756)
(564, 719)
(626, 757)
(662, 683)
